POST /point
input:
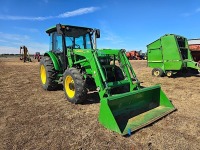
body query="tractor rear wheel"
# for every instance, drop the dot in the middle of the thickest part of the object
(157, 72)
(74, 86)
(48, 74)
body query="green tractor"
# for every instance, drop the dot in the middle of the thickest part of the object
(74, 61)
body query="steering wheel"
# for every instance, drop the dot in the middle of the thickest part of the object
(69, 47)
(75, 46)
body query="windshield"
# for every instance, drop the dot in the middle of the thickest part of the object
(81, 42)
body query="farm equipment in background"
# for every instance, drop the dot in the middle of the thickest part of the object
(128, 55)
(74, 61)
(142, 55)
(194, 46)
(169, 55)
(195, 51)
(37, 56)
(135, 55)
(24, 55)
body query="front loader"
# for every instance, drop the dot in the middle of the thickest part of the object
(74, 61)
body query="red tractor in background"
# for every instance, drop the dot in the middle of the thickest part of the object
(37, 56)
(194, 46)
(135, 55)
(195, 51)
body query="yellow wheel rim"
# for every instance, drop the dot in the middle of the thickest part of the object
(156, 73)
(70, 90)
(43, 75)
(169, 74)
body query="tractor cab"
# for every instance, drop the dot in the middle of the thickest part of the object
(74, 37)
(65, 38)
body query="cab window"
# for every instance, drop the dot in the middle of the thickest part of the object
(57, 44)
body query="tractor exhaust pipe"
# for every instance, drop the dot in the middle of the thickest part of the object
(96, 35)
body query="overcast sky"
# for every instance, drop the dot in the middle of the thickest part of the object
(129, 24)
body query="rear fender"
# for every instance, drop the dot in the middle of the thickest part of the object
(55, 61)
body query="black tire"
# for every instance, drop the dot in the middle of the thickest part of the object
(194, 71)
(74, 86)
(157, 72)
(118, 77)
(50, 73)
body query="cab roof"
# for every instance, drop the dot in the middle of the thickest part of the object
(70, 27)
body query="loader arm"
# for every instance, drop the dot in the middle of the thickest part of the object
(90, 59)
(129, 111)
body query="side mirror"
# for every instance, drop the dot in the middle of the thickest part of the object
(59, 29)
(97, 33)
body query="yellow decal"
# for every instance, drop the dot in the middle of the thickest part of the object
(79, 51)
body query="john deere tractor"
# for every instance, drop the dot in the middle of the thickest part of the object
(74, 61)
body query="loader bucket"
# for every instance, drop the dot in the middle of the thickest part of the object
(127, 112)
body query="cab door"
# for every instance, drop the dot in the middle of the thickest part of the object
(57, 47)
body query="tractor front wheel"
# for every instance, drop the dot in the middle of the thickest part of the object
(157, 72)
(74, 86)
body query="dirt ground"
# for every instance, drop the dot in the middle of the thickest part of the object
(31, 118)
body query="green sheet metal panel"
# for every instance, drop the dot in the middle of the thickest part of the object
(171, 55)
(154, 52)
(54, 60)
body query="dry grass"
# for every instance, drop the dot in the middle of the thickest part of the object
(31, 118)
